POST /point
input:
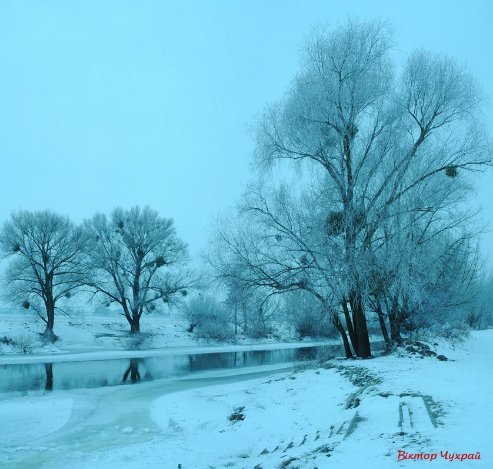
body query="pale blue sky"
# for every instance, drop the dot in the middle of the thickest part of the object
(115, 102)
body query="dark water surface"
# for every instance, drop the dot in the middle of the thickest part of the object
(99, 373)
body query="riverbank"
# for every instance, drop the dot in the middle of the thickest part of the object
(87, 336)
(344, 413)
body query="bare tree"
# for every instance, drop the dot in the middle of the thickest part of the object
(136, 260)
(423, 275)
(424, 259)
(279, 244)
(481, 313)
(252, 308)
(378, 141)
(45, 250)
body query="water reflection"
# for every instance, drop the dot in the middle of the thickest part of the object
(49, 376)
(99, 373)
(132, 370)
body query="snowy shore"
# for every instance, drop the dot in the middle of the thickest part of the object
(339, 414)
(97, 337)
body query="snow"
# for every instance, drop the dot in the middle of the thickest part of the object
(85, 331)
(307, 415)
(27, 419)
(272, 419)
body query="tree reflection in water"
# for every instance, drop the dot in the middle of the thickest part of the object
(132, 371)
(99, 373)
(49, 376)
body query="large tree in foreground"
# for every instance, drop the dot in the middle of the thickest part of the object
(136, 260)
(375, 144)
(45, 266)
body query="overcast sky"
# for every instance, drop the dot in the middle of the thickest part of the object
(106, 103)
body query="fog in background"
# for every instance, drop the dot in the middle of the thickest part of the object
(123, 102)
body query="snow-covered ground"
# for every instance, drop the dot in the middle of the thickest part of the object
(342, 414)
(85, 331)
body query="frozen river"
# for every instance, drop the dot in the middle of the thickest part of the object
(111, 372)
(81, 408)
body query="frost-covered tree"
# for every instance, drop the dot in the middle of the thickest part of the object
(251, 308)
(373, 142)
(278, 244)
(425, 264)
(306, 315)
(480, 315)
(45, 251)
(238, 302)
(208, 317)
(376, 137)
(136, 260)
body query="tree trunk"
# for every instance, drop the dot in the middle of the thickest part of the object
(395, 330)
(133, 318)
(395, 323)
(383, 327)
(359, 323)
(245, 320)
(50, 320)
(134, 325)
(355, 299)
(349, 325)
(347, 348)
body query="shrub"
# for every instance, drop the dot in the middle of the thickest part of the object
(208, 318)
(305, 314)
(139, 341)
(455, 332)
(24, 343)
(311, 323)
(6, 340)
(238, 415)
(258, 327)
(324, 353)
(474, 319)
